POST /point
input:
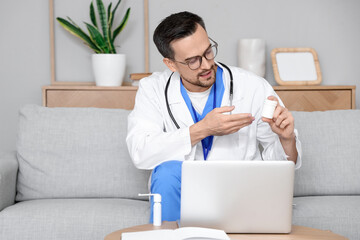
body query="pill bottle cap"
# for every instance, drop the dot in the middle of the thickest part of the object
(270, 102)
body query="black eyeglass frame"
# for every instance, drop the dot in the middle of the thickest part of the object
(215, 44)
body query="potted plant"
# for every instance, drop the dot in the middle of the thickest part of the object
(108, 66)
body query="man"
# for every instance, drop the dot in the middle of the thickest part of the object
(195, 114)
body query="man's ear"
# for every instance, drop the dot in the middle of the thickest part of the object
(170, 64)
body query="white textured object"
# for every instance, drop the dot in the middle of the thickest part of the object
(109, 69)
(269, 109)
(251, 55)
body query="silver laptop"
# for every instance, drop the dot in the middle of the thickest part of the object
(238, 196)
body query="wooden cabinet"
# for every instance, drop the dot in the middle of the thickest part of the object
(89, 96)
(295, 98)
(317, 98)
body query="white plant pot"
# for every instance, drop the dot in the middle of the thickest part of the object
(109, 69)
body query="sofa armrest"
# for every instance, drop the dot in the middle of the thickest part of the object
(8, 174)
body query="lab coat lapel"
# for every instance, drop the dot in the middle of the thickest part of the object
(177, 104)
(226, 78)
(226, 98)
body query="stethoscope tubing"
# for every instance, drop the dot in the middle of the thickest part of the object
(168, 83)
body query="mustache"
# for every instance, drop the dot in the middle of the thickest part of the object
(213, 67)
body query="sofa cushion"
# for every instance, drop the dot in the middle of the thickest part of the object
(339, 214)
(75, 153)
(71, 219)
(331, 153)
(8, 173)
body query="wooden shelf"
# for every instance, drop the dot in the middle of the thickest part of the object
(295, 98)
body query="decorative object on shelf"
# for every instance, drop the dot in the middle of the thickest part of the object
(108, 66)
(109, 69)
(251, 55)
(296, 66)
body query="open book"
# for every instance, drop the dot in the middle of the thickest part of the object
(185, 233)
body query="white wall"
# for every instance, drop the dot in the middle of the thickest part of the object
(331, 27)
(24, 61)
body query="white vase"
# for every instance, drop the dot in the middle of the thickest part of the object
(251, 55)
(109, 69)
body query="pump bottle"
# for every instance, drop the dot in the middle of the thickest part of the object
(156, 207)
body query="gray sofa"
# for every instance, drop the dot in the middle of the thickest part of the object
(71, 176)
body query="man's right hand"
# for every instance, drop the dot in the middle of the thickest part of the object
(218, 123)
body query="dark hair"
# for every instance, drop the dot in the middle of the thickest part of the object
(175, 26)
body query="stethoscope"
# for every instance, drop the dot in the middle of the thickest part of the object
(168, 83)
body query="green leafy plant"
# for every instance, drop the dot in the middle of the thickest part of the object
(100, 41)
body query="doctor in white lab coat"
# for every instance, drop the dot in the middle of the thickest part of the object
(153, 138)
(236, 125)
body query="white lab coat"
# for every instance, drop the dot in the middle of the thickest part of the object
(153, 138)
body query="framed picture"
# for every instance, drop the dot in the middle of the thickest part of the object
(296, 66)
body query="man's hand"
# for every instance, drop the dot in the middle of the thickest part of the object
(218, 123)
(282, 124)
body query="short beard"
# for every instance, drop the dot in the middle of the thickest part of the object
(206, 84)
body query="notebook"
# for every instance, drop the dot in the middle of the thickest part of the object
(238, 196)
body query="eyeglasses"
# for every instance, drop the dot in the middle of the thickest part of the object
(209, 54)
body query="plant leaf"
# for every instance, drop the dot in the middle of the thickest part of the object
(110, 40)
(76, 31)
(103, 20)
(73, 22)
(108, 14)
(113, 50)
(92, 15)
(97, 38)
(113, 12)
(122, 24)
(110, 17)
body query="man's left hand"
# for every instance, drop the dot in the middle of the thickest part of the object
(282, 122)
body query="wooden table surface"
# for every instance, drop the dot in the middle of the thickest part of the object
(297, 233)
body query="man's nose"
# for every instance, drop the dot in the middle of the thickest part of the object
(205, 64)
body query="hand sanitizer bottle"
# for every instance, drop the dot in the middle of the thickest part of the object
(156, 208)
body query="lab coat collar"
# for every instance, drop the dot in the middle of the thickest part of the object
(178, 106)
(177, 103)
(237, 96)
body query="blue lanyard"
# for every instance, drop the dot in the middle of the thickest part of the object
(206, 142)
(216, 102)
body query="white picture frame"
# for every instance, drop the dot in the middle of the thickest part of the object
(296, 66)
